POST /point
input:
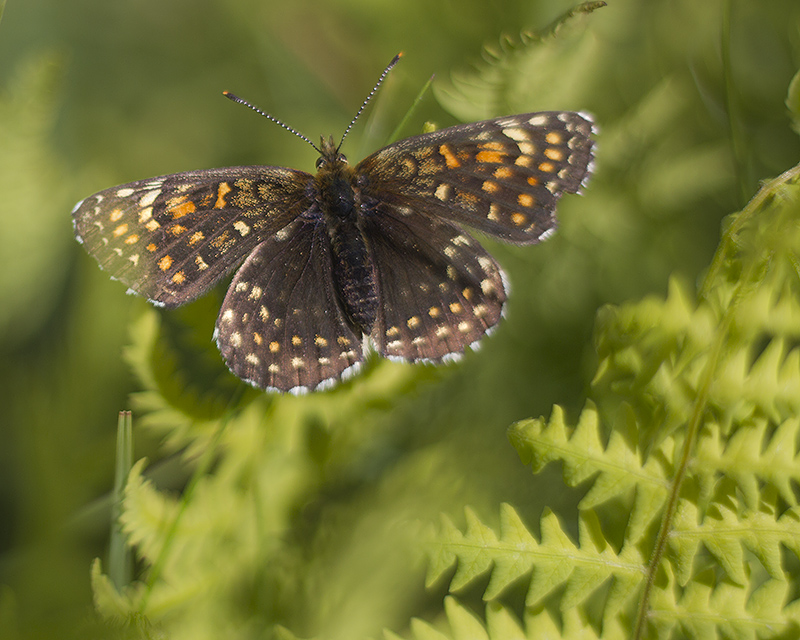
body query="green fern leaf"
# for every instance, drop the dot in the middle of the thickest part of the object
(757, 453)
(696, 423)
(501, 624)
(617, 468)
(729, 611)
(516, 74)
(557, 560)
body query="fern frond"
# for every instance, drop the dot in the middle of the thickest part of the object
(501, 624)
(726, 610)
(727, 532)
(757, 453)
(556, 561)
(517, 69)
(617, 468)
(696, 422)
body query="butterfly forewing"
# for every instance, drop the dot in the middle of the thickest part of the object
(439, 290)
(280, 326)
(171, 238)
(502, 176)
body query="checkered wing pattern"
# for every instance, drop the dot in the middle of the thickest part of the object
(171, 238)
(440, 291)
(378, 249)
(280, 326)
(502, 177)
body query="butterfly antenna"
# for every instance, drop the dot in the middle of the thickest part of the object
(283, 125)
(364, 104)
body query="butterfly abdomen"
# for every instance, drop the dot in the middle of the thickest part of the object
(353, 268)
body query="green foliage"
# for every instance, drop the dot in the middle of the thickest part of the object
(27, 111)
(665, 506)
(698, 427)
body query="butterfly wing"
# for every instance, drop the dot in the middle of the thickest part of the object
(280, 326)
(503, 176)
(171, 238)
(439, 290)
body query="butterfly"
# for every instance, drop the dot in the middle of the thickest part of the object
(350, 258)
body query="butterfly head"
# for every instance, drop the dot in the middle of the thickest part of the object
(329, 155)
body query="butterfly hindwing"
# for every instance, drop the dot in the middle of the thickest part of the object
(172, 237)
(280, 326)
(439, 290)
(502, 176)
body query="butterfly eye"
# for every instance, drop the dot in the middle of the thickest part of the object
(320, 162)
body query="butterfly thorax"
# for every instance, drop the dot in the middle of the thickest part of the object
(338, 200)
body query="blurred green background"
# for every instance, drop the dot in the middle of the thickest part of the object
(689, 98)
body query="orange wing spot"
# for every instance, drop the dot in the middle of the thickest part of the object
(180, 207)
(518, 219)
(455, 307)
(197, 236)
(297, 341)
(115, 215)
(449, 157)
(177, 230)
(547, 167)
(434, 312)
(467, 293)
(503, 173)
(553, 138)
(490, 186)
(524, 161)
(120, 230)
(494, 157)
(132, 239)
(179, 277)
(165, 263)
(223, 189)
(257, 338)
(554, 154)
(274, 347)
(533, 181)
(151, 247)
(526, 200)
(491, 146)
(413, 322)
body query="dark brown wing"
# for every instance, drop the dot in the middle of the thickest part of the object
(503, 176)
(280, 327)
(171, 238)
(439, 290)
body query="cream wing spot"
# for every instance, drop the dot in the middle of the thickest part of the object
(443, 192)
(517, 134)
(241, 227)
(149, 198)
